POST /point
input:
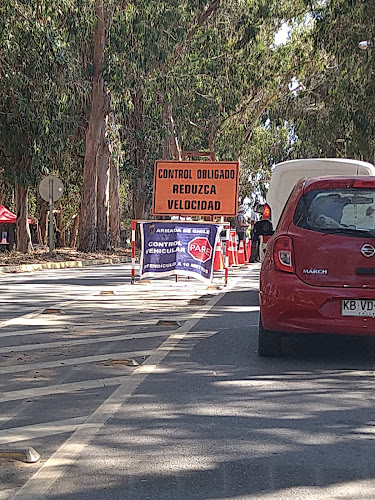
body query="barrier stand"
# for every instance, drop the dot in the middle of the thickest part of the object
(134, 225)
(226, 256)
(232, 250)
(133, 240)
(233, 236)
(176, 275)
(241, 253)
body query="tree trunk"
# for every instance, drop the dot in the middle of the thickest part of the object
(74, 233)
(172, 148)
(23, 231)
(114, 205)
(103, 193)
(60, 230)
(43, 222)
(139, 156)
(99, 110)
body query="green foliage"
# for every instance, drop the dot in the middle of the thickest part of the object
(216, 77)
(335, 114)
(41, 90)
(206, 73)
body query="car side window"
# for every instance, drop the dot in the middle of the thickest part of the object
(284, 207)
(300, 218)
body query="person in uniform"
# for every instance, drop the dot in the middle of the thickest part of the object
(241, 226)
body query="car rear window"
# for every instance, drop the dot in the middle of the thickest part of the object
(343, 211)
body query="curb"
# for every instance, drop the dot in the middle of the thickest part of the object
(24, 268)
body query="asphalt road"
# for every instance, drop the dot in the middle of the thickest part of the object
(198, 416)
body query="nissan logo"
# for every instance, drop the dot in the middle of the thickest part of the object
(368, 250)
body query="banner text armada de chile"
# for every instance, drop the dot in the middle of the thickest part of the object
(178, 248)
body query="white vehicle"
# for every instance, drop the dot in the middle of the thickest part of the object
(286, 175)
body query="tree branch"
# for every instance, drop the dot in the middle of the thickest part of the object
(206, 14)
(263, 108)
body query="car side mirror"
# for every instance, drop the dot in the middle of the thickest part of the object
(258, 208)
(263, 228)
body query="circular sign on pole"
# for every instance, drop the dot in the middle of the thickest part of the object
(51, 189)
(51, 185)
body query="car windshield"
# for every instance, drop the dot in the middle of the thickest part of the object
(349, 212)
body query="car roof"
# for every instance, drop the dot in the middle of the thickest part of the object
(335, 181)
(339, 163)
(286, 174)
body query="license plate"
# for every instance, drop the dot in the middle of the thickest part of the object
(358, 307)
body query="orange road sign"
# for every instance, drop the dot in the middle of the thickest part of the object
(195, 188)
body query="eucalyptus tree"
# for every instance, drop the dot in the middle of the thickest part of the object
(235, 74)
(148, 40)
(96, 150)
(196, 75)
(39, 92)
(334, 114)
(99, 226)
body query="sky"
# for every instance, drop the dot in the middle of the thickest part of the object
(282, 35)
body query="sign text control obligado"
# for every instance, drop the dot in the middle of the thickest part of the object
(195, 188)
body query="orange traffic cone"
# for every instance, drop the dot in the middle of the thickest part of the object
(218, 257)
(248, 250)
(241, 253)
(230, 253)
(232, 249)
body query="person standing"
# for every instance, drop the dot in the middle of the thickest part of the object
(241, 226)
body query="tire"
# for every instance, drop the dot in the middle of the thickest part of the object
(269, 343)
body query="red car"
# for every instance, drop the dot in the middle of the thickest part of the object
(318, 274)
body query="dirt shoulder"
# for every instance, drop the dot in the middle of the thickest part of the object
(41, 256)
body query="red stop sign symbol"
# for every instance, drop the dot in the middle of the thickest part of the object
(200, 249)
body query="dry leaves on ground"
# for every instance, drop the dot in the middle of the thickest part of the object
(41, 254)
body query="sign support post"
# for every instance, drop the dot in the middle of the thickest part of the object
(50, 232)
(134, 225)
(51, 189)
(227, 232)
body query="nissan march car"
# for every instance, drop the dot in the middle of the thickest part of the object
(318, 273)
(286, 174)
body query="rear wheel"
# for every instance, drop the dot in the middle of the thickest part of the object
(269, 343)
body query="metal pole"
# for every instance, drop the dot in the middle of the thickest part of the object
(50, 217)
(227, 236)
(134, 226)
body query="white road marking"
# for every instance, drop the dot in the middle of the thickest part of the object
(238, 309)
(55, 466)
(73, 343)
(70, 329)
(37, 319)
(61, 362)
(38, 392)
(18, 320)
(40, 331)
(30, 318)
(28, 432)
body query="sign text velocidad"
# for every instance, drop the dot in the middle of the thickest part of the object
(198, 188)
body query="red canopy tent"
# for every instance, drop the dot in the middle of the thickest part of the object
(8, 217)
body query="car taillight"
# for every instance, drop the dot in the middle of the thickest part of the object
(266, 212)
(283, 254)
(364, 184)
